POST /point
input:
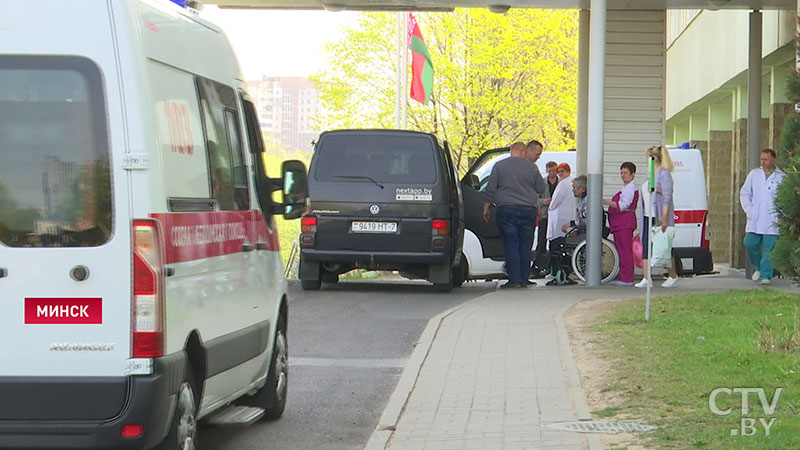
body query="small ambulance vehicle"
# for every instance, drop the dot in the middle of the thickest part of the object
(692, 234)
(141, 283)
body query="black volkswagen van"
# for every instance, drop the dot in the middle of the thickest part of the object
(382, 200)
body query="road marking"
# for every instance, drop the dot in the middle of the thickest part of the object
(351, 363)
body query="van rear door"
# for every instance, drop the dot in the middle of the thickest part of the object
(64, 232)
(377, 191)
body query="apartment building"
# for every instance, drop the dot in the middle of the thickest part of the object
(286, 108)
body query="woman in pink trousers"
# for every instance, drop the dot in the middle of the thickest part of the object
(622, 221)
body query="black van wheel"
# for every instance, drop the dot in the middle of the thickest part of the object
(460, 272)
(272, 397)
(310, 275)
(443, 287)
(443, 274)
(310, 285)
(329, 277)
(182, 433)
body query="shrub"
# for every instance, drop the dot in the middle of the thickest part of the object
(786, 255)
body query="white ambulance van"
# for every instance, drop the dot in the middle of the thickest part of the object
(692, 234)
(142, 287)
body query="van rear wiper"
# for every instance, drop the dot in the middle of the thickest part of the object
(362, 177)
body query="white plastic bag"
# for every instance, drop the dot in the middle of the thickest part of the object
(662, 247)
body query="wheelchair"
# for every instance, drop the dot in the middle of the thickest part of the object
(567, 255)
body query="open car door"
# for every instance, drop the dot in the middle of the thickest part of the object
(473, 187)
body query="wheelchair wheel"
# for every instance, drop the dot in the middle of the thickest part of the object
(610, 261)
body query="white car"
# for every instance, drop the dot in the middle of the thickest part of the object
(483, 246)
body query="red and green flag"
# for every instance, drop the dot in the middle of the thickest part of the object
(421, 64)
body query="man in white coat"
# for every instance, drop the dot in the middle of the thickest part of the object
(757, 197)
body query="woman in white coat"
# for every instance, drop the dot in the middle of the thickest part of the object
(562, 204)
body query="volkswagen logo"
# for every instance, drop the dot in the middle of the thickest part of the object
(374, 209)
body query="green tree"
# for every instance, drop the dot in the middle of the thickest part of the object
(786, 255)
(498, 78)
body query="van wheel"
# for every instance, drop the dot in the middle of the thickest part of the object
(329, 277)
(272, 397)
(183, 431)
(460, 272)
(443, 287)
(310, 285)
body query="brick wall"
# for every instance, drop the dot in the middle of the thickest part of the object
(778, 112)
(718, 174)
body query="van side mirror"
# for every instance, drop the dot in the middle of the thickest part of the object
(294, 184)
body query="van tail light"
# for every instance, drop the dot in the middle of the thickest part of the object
(440, 227)
(147, 301)
(705, 236)
(131, 431)
(308, 224)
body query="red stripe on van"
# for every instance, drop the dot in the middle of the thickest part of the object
(690, 216)
(198, 235)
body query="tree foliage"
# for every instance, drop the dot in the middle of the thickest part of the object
(786, 255)
(498, 78)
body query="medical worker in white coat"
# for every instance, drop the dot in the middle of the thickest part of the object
(757, 197)
(562, 205)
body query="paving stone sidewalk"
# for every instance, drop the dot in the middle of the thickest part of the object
(496, 372)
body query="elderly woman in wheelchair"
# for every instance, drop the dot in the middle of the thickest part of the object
(567, 253)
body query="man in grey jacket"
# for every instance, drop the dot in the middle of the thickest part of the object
(514, 187)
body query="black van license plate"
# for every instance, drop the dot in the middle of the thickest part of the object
(374, 227)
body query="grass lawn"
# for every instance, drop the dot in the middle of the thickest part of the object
(666, 370)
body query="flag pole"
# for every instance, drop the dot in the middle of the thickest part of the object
(651, 182)
(402, 70)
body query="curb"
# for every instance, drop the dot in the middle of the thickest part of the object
(573, 378)
(380, 437)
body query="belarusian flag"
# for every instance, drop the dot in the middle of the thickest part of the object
(421, 64)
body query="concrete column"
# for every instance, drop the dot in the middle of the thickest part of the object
(754, 86)
(739, 169)
(597, 64)
(698, 127)
(681, 133)
(698, 133)
(583, 91)
(720, 116)
(669, 135)
(740, 109)
(778, 80)
(780, 106)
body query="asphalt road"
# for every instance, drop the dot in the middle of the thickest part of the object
(348, 344)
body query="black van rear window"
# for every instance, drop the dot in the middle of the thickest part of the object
(55, 184)
(384, 158)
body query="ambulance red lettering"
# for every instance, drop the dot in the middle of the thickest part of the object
(180, 132)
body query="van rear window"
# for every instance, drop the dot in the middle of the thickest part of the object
(384, 158)
(55, 184)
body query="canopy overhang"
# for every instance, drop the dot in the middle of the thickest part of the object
(498, 5)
